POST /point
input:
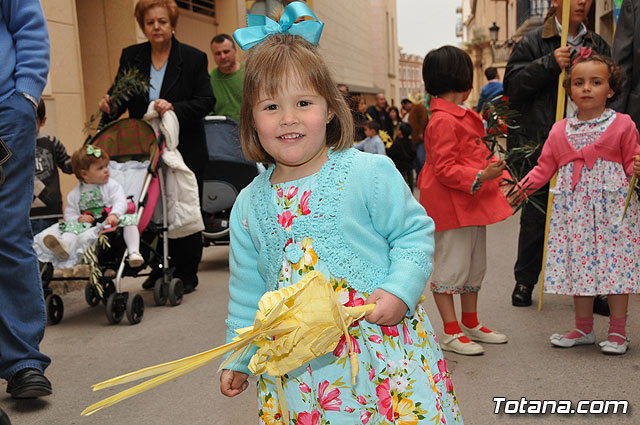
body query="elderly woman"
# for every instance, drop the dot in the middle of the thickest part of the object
(179, 83)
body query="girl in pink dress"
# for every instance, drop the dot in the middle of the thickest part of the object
(591, 250)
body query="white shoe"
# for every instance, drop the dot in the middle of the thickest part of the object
(609, 347)
(135, 259)
(453, 343)
(560, 341)
(57, 246)
(475, 334)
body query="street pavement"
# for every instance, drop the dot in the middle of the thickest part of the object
(85, 350)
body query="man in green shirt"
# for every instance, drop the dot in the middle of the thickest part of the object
(227, 77)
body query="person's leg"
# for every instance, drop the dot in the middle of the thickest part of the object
(186, 254)
(618, 304)
(583, 332)
(421, 156)
(530, 249)
(451, 271)
(22, 316)
(471, 326)
(40, 224)
(446, 308)
(131, 238)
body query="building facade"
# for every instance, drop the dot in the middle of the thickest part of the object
(87, 37)
(410, 77)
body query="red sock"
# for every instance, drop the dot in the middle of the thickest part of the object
(470, 320)
(584, 324)
(617, 325)
(453, 328)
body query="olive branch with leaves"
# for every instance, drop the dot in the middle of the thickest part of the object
(501, 118)
(128, 83)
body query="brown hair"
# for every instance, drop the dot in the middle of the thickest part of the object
(81, 160)
(616, 76)
(270, 64)
(143, 5)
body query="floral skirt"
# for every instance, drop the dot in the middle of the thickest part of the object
(402, 380)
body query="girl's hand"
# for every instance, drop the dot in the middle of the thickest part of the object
(563, 56)
(233, 382)
(389, 309)
(105, 104)
(161, 106)
(493, 171)
(636, 165)
(111, 220)
(512, 195)
(86, 218)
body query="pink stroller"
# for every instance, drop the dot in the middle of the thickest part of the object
(129, 142)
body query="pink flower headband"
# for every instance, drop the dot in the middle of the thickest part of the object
(584, 53)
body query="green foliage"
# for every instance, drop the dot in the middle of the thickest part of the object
(90, 257)
(501, 118)
(128, 83)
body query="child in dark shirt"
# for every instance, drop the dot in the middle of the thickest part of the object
(403, 153)
(51, 154)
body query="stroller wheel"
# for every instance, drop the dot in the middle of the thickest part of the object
(135, 309)
(46, 273)
(91, 295)
(160, 292)
(108, 288)
(55, 309)
(176, 290)
(115, 308)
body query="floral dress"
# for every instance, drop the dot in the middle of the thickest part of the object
(591, 250)
(403, 377)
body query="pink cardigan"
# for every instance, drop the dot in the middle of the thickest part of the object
(619, 143)
(455, 155)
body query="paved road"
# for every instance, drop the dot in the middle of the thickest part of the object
(86, 350)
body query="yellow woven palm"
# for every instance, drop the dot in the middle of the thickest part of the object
(292, 326)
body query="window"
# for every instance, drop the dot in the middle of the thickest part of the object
(203, 7)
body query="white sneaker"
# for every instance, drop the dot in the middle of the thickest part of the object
(453, 343)
(475, 334)
(57, 246)
(135, 259)
(609, 347)
(560, 341)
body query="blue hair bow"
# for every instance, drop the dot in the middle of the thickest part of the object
(259, 26)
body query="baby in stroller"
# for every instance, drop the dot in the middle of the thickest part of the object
(95, 199)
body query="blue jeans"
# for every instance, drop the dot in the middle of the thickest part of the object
(22, 309)
(421, 156)
(40, 224)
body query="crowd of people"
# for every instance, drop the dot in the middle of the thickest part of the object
(332, 202)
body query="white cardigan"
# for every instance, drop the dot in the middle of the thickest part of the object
(181, 188)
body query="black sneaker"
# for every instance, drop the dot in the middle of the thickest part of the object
(28, 383)
(521, 296)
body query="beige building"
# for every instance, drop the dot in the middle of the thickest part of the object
(87, 37)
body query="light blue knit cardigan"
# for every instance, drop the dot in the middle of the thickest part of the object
(364, 222)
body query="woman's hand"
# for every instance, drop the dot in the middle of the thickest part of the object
(493, 171)
(563, 56)
(106, 104)
(233, 382)
(389, 309)
(161, 106)
(111, 220)
(86, 218)
(636, 165)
